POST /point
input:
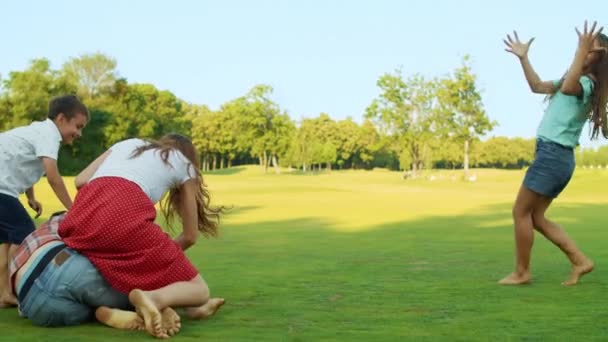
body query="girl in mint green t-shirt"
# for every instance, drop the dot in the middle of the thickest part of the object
(579, 96)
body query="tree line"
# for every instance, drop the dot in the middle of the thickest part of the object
(414, 123)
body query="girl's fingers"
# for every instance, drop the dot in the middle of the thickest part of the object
(593, 27)
(598, 32)
(530, 41)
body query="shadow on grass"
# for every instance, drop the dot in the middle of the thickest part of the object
(432, 278)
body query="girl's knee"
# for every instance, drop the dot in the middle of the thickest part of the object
(520, 213)
(538, 220)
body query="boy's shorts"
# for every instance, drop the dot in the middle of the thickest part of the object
(15, 222)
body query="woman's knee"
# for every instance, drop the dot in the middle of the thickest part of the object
(203, 289)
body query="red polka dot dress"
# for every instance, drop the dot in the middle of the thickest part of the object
(112, 223)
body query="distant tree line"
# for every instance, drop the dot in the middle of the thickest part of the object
(414, 123)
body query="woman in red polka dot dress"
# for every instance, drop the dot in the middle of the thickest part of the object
(112, 223)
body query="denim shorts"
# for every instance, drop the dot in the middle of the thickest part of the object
(68, 291)
(15, 222)
(551, 170)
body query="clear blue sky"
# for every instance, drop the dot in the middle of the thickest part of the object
(320, 56)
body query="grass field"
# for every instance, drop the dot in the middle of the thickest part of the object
(367, 256)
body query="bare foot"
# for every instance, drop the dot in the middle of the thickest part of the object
(578, 271)
(146, 309)
(119, 319)
(516, 279)
(171, 321)
(8, 301)
(206, 310)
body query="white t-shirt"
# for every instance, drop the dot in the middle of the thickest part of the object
(20, 151)
(147, 170)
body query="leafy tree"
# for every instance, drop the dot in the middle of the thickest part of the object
(94, 73)
(459, 98)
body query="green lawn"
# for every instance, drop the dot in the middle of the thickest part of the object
(368, 256)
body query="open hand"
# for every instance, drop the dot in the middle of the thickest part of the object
(516, 47)
(587, 37)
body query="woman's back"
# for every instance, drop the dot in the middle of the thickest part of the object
(147, 170)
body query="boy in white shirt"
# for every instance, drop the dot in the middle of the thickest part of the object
(27, 153)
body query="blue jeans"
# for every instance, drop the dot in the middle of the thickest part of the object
(68, 291)
(551, 170)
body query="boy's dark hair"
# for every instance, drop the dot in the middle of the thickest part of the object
(69, 105)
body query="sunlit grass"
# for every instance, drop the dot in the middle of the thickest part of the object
(366, 255)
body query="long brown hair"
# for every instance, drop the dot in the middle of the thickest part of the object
(208, 216)
(600, 95)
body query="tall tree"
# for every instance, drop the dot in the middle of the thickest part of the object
(460, 99)
(407, 110)
(282, 135)
(202, 132)
(261, 126)
(94, 73)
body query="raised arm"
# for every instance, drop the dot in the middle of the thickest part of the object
(571, 84)
(519, 49)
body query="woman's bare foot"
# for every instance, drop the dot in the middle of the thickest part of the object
(171, 321)
(578, 271)
(146, 309)
(119, 319)
(8, 301)
(206, 310)
(516, 279)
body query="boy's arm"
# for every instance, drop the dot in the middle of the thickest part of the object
(56, 181)
(85, 175)
(31, 201)
(189, 215)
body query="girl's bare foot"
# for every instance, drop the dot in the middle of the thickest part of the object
(206, 310)
(119, 319)
(578, 271)
(171, 321)
(146, 309)
(516, 279)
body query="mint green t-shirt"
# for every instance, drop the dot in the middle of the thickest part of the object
(566, 115)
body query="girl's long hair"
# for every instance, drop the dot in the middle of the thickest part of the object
(208, 216)
(600, 95)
